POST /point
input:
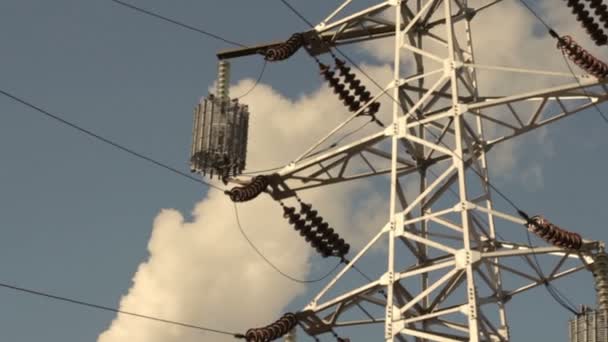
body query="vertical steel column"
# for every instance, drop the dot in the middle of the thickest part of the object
(458, 161)
(390, 274)
(488, 203)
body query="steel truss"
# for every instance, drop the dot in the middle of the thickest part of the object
(442, 129)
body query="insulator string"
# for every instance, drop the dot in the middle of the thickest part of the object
(582, 57)
(274, 330)
(284, 50)
(250, 191)
(583, 16)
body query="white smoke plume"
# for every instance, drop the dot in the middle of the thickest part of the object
(203, 272)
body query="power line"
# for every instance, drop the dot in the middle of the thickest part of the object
(257, 81)
(106, 140)
(114, 310)
(302, 281)
(297, 13)
(173, 21)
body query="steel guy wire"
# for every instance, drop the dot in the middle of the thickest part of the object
(173, 21)
(115, 310)
(258, 252)
(107, 141)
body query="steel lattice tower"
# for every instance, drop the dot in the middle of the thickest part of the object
(441, 130)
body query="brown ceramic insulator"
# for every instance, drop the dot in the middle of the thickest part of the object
(582, 57)
(249, 191)
(285, 50)
(553, 234)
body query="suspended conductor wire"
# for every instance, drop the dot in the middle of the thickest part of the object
(173, 21)
(553, 291)
(257, 81)
(296, 12)
(106, 140)
(258, 252)
(118, 311)
(536, 15)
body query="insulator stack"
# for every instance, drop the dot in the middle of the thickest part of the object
(582, 57)
(600, 9)
(284, 50)
(249, 191)
(316, 231)
(600, 273)
(361, 96)
(553, 234)
(594, 30)
(273, 331)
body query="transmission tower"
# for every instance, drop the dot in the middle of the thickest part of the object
(441, 130)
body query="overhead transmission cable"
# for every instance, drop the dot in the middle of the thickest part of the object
(492, 186)
(119, 311)
(105, 140)
(178, 23)
(271, 264)
(199, 30)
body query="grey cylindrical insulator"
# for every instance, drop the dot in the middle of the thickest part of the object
(600, 273)
(223, 80)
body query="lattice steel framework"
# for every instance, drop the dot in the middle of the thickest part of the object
(441, 131)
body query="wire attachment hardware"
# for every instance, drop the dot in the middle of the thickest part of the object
(249, 191)
(273, 331)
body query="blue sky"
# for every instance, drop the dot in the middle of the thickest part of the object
(77, 214)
